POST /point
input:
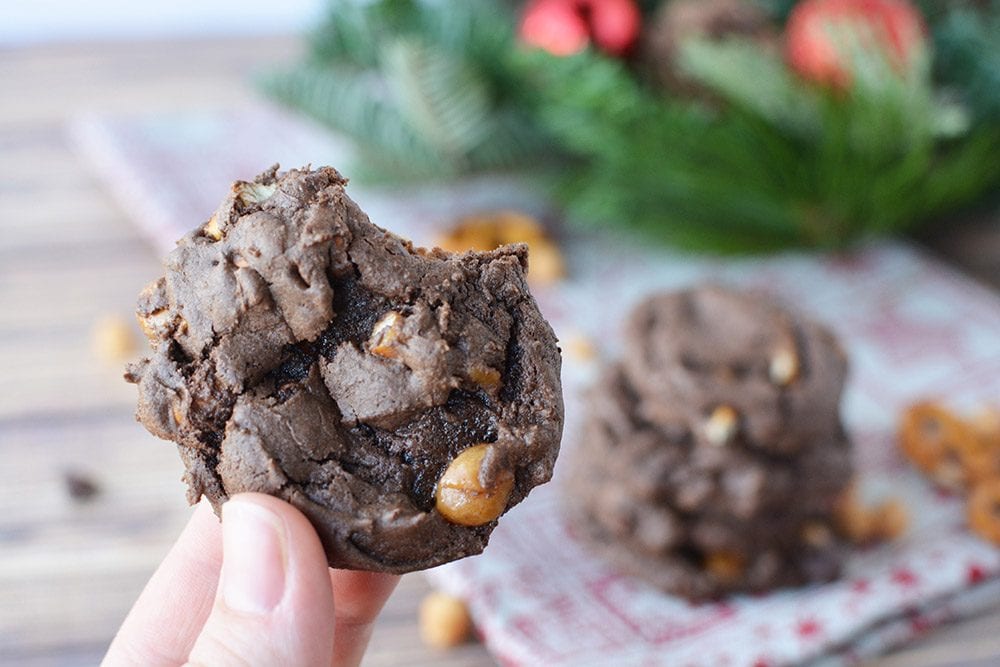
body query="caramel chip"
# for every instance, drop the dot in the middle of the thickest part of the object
(212, 229)
(784, 367)
(462, 498)
(113, 339)
(891, 519)
(817, 535)
(725, 565)
(444, 621)
(721, 426)
(385, 335)
(580, 348)
(854, 521)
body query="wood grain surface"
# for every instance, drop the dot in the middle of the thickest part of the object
(70, 569)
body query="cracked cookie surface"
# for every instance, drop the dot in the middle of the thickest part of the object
(300, 350)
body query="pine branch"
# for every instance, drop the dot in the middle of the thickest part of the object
(424, 88)
(751, 175)
(354, 102)
(752, 79)
(444, 100)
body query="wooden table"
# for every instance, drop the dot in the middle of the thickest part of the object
(69, 570)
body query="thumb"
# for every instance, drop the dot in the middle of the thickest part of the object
(274, 604)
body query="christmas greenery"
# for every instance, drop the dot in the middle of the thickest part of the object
(423, 87)
(776, 164)
(967, 48)
(755, 159)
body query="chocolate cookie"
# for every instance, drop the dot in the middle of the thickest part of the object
(691, 352)
(401, 398)
(713, 454)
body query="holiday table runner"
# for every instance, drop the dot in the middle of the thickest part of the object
(912, 327)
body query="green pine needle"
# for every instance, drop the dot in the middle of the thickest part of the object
(424, 88)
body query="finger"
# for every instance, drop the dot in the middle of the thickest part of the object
(359, 598)
(163, 624)
(274, 605)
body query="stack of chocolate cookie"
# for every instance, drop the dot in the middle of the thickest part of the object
(714, 452)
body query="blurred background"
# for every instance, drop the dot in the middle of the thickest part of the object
(52, 21)
(91, 501)
(122, 124)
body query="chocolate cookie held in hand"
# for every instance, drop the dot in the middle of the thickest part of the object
(713, 457)
(402, 398)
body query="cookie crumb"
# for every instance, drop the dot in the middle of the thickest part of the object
(444, 621)
(80, 486)
(113, 338)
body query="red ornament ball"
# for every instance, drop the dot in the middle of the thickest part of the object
(565, 27)
(824, 37)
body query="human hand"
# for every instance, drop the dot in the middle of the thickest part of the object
(255, 590)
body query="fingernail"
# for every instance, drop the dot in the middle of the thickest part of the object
(253, 557)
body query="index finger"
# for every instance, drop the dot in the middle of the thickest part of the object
(163, 624)
(358, 597)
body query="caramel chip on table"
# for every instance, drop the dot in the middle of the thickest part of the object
(444, 621)
(854, 521)
(113, 338)
(892, 519)
(579, 347)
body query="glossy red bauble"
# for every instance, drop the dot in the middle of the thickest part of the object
(824, 37)
(564, 27)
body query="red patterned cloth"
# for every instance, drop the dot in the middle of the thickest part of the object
(912, 327)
